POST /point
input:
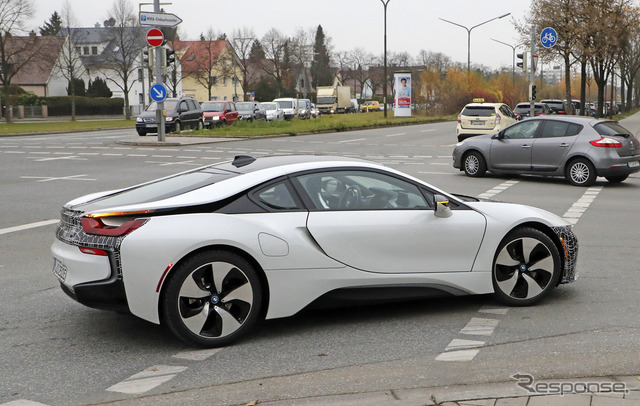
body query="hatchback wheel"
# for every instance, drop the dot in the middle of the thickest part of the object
(212, 299)
(474, 164)
(526, 267)
(581, 172)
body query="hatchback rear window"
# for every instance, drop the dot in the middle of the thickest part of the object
(479, 111)
(612, 128)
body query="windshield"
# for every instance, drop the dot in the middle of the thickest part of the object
(213, 106)
(168, 105)
(270, 106)
(285, 104)
(325, 100)
(244, 106)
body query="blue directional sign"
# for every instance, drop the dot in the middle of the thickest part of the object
(548, 37)
(158, 92)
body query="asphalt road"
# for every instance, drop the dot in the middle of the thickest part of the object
(57, 352)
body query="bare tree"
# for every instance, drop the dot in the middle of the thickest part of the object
(274, 44)
(209, 65)
(14, 53)
(242, 41)
(122, 61)
(69, 63)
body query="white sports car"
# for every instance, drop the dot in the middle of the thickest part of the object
(211, 251)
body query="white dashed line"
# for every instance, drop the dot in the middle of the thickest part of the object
(357, 139)
(459, 356)
(580, 206)
(492, 192)
(394, 135)
(147, 379)
(28, 226)
(480, 327)
(198, 355)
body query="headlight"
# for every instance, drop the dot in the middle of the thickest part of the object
(169, 119)
(139, 120)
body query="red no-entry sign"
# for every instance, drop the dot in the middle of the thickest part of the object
(155, 37)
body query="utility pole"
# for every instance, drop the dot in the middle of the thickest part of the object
(160, 80)
(532, 74)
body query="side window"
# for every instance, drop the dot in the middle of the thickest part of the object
(193, 105)
(184, 106)
(574, 129)
(522, 130)
(559, 129)
(360, 190)
(276, 196)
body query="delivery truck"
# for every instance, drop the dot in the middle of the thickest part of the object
(333, 99)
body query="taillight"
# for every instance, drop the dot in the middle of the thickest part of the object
(606, 142)
(498, 118)
(460, 118)
(93, 251)
(95, 226)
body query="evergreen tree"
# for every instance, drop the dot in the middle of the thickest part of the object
(98, 88)
(53, 26)
(321, 74)
(78, 87)
(257, 52)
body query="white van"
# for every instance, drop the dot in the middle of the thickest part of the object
(289, 106)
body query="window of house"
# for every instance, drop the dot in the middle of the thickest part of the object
(79, 50)
(213, 80)
(140, 74)
(94, 50)
(85, 50)
(224, 81)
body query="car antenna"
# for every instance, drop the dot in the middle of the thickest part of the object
(242, 160)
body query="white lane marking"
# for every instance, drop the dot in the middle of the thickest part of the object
(22, 402)
(459, 356)
(27, 226)
(578, 208)
(357, 139)
(436, 173)
(494, 310)
(428, 131)
(457, 344)
(197, 355)
(501, 187)
(479, 326)
(147, 379)
(394, 135)
(69, 157)
(50, 178)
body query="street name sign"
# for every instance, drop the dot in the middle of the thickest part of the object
(159, 19)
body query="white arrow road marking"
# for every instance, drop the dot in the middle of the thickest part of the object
(147, 379)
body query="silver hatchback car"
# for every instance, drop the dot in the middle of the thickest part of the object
(578, 148)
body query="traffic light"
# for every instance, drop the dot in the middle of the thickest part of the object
(523, 63)
(170, 56)
(147, 57)
(532, 92)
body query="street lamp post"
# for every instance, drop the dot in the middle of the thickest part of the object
(469, 37)
(513, 64)
(384, 88)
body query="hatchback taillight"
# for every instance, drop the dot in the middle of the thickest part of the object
(606, 142)
(498, 119)
(460, 118)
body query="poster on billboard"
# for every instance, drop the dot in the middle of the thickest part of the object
(402, 98)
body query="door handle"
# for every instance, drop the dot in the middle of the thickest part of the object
(564, 144)
(525, 146)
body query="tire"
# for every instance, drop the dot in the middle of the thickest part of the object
(474, 164)
(142, 133)
(200, 125)
(616, 179)
(581, 172)
(526, 267)
(195, 303)
(178, 127)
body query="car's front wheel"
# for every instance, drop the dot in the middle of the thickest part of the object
(526, 267)
(212, 298)
(178, 127)
(474, 164)
(581, 172)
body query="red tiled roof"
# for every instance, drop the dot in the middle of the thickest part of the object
(37, 60)
(199, 55)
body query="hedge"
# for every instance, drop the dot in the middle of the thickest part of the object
(85, 106)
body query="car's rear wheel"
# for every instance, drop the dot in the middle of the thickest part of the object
(616, 179)
(212, 298)
(526, 267)
(474, 164)
(581, 172)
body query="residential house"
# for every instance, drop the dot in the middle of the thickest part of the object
(210, 70)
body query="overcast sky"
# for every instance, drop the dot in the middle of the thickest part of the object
(412, 25)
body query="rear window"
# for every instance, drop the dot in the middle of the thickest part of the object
(479, 111)
(208, 106)
(612, 128)
(285, 104)
(162, 188)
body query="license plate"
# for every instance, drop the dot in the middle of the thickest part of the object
(59, 269)
(478, 122)
(150, 126)
(633, 164)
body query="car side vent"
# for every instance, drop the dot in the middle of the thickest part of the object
(242, 160)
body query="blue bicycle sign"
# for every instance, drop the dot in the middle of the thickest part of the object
(548, 37)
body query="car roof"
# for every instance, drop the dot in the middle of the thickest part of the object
(484, 105)
(573, 119)
(246, 163)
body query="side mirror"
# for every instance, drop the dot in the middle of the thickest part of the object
(442, 208)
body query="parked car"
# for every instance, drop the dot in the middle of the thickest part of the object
(371, 105)
(304, 109)
(289, 106)
(524, 109)
(274, 111)
(556, 106)
(315, 113)
(578, 148)
(219, 113)
(250, 111)
(355, 106)
(211, 251)
(184, 112)
(479, 118)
